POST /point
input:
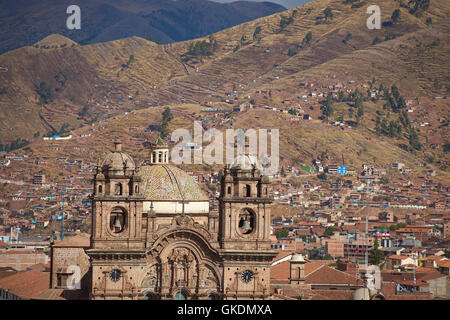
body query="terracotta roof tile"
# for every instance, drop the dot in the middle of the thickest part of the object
(26, 284)
(443, 263)
(3, 245)
(280, 271)
(328, 275)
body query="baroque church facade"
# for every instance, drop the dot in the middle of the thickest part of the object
(154, 235)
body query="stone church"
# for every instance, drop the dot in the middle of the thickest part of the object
(154, 235)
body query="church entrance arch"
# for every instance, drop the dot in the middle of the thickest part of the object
(184, 267)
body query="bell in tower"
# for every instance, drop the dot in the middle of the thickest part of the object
(117, 224)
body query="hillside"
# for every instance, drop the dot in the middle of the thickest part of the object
(25, 22)
(55, 41)
(273, 53)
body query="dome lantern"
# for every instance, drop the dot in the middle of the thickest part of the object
(159, 152)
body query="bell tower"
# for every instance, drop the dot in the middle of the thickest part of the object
(244, 229)
(117, 249)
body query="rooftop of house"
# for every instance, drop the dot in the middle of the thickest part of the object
(443, 263)
(26, 284)
(397, 257)
(315, 274)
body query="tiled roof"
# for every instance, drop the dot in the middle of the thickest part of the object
(280, 271)
(39, 267)
(434, 258)
(167, 182)
(26, 284)
(6, 271)
(281, 255)
(397, 257)
(51, 294)
(3, 245)
(443, 263)
(327, 275)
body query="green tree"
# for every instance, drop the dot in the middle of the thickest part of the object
(376, 255)
(414, 139)
(350, 113)
(328, 13)
(347, 37)
(256, 33)
(329, 105)
(329, 231)
(45, 93)
(284, 22)
(322, 176)
(376, 41)
(307, 39)
(419, 5)
(281, 233)
(395, 15)
(166, 117)
(291, 52)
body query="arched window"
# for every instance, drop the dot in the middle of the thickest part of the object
(246, 221)
(100, 189)
(118, 189)
(117, 221)
(136, 189)
(248, 191)
(160, 157)
(229, 190)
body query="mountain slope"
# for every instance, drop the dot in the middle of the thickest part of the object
(24, 22)
(133, 73)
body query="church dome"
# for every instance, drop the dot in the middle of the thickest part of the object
(117, 161)
(166, 182)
